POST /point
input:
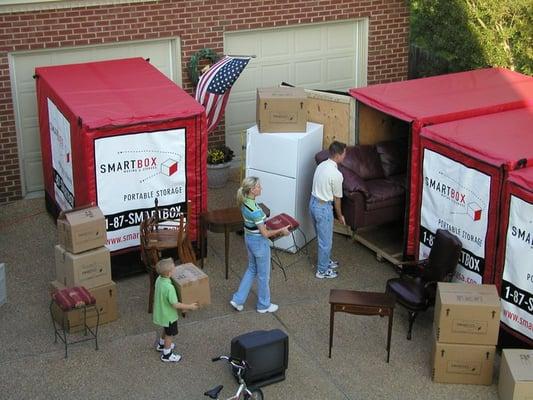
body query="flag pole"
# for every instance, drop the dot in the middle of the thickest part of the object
(241, 56)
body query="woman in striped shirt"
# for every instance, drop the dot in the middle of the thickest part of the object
(256, 236)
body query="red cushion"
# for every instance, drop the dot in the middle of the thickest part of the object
(281, 221)
(74, 297)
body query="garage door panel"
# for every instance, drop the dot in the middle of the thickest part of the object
(319, 56)
(276, 44)
(239, 111)
(308, 73)
(34, 181)
(341, 37)
(164, 54)
(308, 41)
(340, 68)
(270, 74)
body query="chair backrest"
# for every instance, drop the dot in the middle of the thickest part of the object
(443, 257)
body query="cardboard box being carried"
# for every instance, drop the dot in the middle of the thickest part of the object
(106, 302)
(192, 284)
(516, 375)
(281, 109)
(463, 363)
(81, 229)
(90, 269)
(467, 314)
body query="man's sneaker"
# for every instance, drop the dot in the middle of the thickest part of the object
(238, 307)
(333, 264)
(329, 274)
(161, 347)
(272, 308)
(170, 357)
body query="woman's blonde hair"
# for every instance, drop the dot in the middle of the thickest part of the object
(247, 185)
(164, 266)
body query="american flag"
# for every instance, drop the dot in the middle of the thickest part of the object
(214, 86)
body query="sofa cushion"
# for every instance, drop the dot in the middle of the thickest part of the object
(393, 156)
(381, 190)
(400, 180)
(352, 182)
(364, 161)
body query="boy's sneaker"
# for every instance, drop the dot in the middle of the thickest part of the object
(170, 357)
(329, 274)
(238, 307)
(272, 308)
(333, 264)
(161, 347)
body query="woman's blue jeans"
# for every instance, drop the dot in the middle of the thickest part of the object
(258, 248)
(322, 217)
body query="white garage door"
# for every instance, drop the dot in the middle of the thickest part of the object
(164, 54)
(320, 56)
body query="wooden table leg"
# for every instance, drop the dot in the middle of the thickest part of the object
(226, 247)
(202, 241)
(331, 322)
(391, 315)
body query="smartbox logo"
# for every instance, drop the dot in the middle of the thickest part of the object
(456, 196)
(150, 164)
(522, 234)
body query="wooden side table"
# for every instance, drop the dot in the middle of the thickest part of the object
(361, 303)
(224, 220)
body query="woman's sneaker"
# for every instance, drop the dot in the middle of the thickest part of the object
(170, 357)
(329, 274)
(272, 308)
(161, 347)
(333, 264)
(238, 307)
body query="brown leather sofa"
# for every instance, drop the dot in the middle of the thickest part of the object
(374, 183)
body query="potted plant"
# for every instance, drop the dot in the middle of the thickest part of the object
(218, 162)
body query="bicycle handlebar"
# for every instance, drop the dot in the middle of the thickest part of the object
(236, 362)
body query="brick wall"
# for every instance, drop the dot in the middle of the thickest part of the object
(199, 24)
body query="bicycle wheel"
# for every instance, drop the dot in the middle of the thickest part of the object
(257, 394)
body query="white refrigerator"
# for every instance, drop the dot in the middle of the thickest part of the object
(285, 164)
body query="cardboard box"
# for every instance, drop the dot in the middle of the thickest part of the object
(463, 363)
(516, 375)
(467, 314)
(82, 229)
(106, 301)
(192, 284)
(281, 109)
(90, 269)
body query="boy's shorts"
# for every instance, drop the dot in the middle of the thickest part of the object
(171, 329)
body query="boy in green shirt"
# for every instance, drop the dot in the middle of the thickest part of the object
(166, 306)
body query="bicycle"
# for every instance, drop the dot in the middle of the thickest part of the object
(242, 393)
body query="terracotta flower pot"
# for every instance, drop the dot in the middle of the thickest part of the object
(217, 175)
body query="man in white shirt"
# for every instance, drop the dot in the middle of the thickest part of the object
(326, 194)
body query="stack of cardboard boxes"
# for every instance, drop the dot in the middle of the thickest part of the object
(467, 322)
(83, 260)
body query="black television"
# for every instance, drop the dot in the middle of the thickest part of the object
(266, 352)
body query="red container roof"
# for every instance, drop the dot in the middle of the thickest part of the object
(498, 139)
(523, 177)
(118, 93)
(448, 97)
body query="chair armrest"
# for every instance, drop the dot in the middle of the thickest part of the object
(411, 267)
(353, 182)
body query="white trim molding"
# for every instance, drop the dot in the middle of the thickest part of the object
(11, 6)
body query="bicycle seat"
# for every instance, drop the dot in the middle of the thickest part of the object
(213, 393)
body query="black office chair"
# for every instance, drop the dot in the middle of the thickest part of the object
(416, 287)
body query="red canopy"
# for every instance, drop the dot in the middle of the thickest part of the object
(449, 97)
(99, 100)
(522, 178)
(497, 139)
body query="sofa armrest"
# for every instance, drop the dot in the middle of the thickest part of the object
(353, 182)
